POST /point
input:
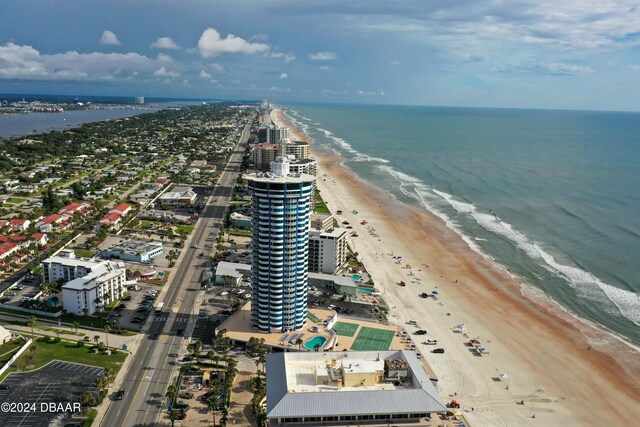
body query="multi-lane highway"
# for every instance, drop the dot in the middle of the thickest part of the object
(155, 361)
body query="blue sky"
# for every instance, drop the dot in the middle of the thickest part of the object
(577, 54)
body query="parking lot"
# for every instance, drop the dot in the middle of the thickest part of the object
(133, 310)
(23, 292)
(57, 382)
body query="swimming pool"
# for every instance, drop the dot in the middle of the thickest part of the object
(365, 290)
(317, 340)
(356, 277)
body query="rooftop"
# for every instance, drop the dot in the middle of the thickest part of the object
(135, 246)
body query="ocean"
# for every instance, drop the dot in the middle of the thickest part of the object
(551, 196)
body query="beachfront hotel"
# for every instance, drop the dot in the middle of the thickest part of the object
(348, 387)
(280, 206)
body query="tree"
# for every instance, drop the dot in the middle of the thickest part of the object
(107, 329)
(101, 383)
(299, 343)
(171, 393)
(96, 339)
(87, 399)
(76, 324)
(174, 415)
(31, 322)
(213, 403)
(78, 190)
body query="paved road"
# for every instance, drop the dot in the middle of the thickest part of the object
(154, 364)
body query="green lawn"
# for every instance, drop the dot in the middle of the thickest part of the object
(84, 253)
(186, 228)
(238, 232)
(345, 329)
(10, 346)
(68, 352)
(372, 339)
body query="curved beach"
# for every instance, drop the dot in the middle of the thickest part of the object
(551, 359)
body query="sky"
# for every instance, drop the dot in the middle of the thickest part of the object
(560, 54)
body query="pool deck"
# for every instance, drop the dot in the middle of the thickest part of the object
(238, 328)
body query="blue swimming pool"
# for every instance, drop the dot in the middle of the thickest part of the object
(356, 277)
(317, 340)
(365, 290)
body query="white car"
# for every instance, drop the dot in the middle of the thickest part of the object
(223, 293)
(430, 342)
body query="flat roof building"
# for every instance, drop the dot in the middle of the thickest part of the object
(298, 149)
(180, 195)
(348, 387)
(134, 250)
(327, 250)
(263, 155)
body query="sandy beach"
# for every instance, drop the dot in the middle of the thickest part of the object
(553, 361)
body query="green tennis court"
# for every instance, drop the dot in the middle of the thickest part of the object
(313, 317)
(371, 339)
(345, 329)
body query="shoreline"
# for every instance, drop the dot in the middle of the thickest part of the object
(527, 336)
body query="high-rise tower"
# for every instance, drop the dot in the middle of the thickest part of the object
(280, 208)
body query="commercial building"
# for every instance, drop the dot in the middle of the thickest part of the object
(327, 250)
(298, 149)
(280, 237)
(349, 387)
(134, 250)
(277, 135)
(180, 195)
(88, 285)
(263, 155)
(240, 221)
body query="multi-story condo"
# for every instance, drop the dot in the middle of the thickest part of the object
(263, 155)
(327, 250)
(298, 149)
(88, 285)
(308, 166)
(277, 135)
(280, 239)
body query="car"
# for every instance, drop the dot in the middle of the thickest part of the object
(180, 331)
(86, 338)
(438, 350)
(424, 295)
(194, 246)
(136, 320)
(119, 395)
(4, 387)
(155, 336)
(349, 227)
(420, 332)
(223, 293)
(127, 298)
(345, 222)
(430, 342)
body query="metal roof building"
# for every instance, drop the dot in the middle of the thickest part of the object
(299, 392)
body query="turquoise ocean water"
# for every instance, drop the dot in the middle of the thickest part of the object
(552, 196)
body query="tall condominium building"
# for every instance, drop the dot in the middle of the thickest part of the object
(280, 239)
(277, 135)
(298, 149)
(263, 155)
(327, 250)
(308, 166)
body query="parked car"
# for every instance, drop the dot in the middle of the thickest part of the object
(119, 395)
(438, 350)
(420, 332)
(430, 342)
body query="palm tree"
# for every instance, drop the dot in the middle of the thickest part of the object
(171, 393)
(174, 415)
(107, 329)
(76, 324)
(299, 343)
(96, 339)
(31, 322)
(213, 403)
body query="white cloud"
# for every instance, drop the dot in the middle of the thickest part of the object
(283, 76)
(568, 69)
(23, 62)
(279, 89)
(259, 37)
(635, 67)
(211, 44)
(165, 43)
(288, 57)
(323, 56)
(217, 68)
(376, 93)
(324, 67)
(334, 92)
(162, 72)
(395, 63)
(205, 75)
(109, 38)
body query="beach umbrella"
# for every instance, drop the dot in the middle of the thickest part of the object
(435, 292)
